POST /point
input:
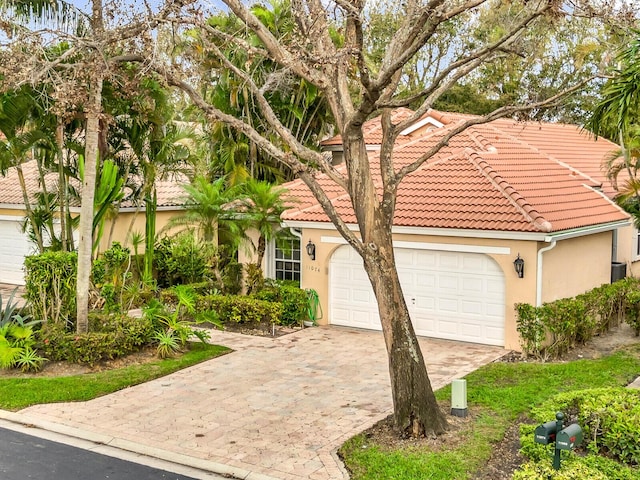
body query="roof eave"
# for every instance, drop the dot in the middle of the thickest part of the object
(475, 233)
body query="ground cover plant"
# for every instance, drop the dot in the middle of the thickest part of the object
(501, 395)
(20, 392)
(610, 422)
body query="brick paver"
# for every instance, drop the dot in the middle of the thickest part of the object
(279, 407)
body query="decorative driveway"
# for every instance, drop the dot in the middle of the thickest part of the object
(273, 408)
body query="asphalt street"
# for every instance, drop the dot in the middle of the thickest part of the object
(24, 457)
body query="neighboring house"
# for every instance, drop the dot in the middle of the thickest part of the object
(498, 192)
(15, 245)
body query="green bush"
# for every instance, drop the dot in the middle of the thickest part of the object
(241, 309)
(611, 425)
(110, 275)
(180, 260)
(171, 330)
(632, 310)
(571, 470)
(51, 286)
(550, 330)
(294, 301)
(609, 417)
(110, 337)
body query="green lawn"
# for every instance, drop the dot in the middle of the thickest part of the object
(18, 393)
(498, 394)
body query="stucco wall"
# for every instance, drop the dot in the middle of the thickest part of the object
(6, 212)
(576, 265)
(122, 228)
(625, 245)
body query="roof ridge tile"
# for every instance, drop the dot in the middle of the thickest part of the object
(529, 212)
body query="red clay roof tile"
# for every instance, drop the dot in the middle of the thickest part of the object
(505, 175)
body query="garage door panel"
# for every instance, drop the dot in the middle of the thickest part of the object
(448, 305)
(473, 285)
(425, 280)
(451, 295)
(361, 295)
(425, 258)
(472, 330)
(448, 283)
(404, 258)
(14, 247)
(473, 264)
(449, 261)
(472, 308)
(495, 287)
(494, 310)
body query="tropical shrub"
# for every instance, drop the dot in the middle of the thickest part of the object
(110, 336)
(550, 330)
(110, 275)
(180, 259)
(172, 329)
(294, 301)
(50, 287)
(241, 309)
(609, 417)
(632, 310)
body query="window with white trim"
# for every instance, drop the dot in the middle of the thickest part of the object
(636, 244)
(287, 259)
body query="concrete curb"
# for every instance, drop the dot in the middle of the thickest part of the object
(126, 445)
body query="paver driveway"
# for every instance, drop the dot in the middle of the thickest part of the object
(278, 407)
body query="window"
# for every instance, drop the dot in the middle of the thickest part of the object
(287, 257)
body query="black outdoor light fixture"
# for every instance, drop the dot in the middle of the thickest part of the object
(518, 264)
(311, 250)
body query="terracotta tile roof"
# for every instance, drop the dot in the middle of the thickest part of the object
(169, 190)
(372, 129)
(505, 176)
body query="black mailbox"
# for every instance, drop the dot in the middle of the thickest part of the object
(569, 437)
(546, 433)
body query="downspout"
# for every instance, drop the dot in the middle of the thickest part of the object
(539, 270)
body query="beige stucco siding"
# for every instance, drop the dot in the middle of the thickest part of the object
(576, 265)
(123, 228)
(626, 244)
(11, 213)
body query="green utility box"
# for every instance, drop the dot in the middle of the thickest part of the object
(569, 437)
(546, 433)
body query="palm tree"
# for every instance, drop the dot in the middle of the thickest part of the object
(153, 146)
(208, 208)
(261, 205)
(617, 117)
(297, 103)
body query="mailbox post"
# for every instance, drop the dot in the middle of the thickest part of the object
(556, 453)
(563, 439)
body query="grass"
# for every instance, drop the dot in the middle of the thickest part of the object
(498, 394)
(19, 393)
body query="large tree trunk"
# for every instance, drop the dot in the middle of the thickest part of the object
(88, 196)
(416, 411)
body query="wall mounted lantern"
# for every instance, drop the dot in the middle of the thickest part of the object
(311, 250)
(518, 264)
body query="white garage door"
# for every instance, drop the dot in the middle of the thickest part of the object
(451, 295)
(14, 246)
